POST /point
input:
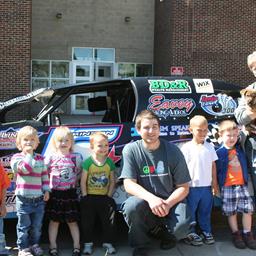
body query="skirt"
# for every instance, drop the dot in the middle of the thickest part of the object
(63, 206)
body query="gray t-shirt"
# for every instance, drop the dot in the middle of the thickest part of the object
(158, 171)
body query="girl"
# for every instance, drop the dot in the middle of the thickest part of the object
(64, 169)
(32, 190)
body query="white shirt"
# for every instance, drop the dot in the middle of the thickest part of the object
(199, 159)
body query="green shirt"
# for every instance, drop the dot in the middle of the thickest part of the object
(98, 178)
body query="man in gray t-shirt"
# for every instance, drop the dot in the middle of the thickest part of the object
(156, 176)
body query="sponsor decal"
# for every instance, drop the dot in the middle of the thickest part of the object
(218, 105)
(165, 86)
(5, 161)
(173, 130)
(203, 85)
(179, 130)
(8, 138)
(170, 107)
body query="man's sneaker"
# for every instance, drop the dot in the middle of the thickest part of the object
(193, 239)
(249, 240)
(36, 250)
(25, 252)
(88, 248)
(140, 251)
(168, 240)
(238, 240)
(109, 248)
(208, 238)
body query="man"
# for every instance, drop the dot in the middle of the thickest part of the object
(155, 174)
(246, 115)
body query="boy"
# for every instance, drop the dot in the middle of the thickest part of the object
(233, 177)
(97, 187)
(4, 184)
(32, 190)
(200, 157)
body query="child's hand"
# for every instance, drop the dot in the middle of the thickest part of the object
(215, 190)
(3, 210)
(46, 196)
(28, 149)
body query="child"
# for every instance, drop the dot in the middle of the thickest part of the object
(63, 206)
(97, 185)
(32, 190)
(4, 184)
(232, 177)
(200, 157)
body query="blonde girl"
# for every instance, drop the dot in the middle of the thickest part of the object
(64, 170)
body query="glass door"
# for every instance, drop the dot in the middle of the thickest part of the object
(82, 71)
(103, 71)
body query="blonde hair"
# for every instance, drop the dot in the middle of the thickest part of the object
(251, 59)
(59, 133)
(97, 134)
(227, 125)
(26, 131)
(198, 120)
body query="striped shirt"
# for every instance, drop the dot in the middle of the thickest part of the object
(31, 174)
(64, 171)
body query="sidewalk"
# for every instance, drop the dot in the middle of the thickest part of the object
(222, 247)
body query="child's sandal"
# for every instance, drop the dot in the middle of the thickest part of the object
(76, 252)
(53, 252)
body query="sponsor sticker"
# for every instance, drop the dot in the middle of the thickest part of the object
(218, 105)
(165, 86)
(203, 85)
(170, 107)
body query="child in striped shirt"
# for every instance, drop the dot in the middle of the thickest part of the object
(32, 190)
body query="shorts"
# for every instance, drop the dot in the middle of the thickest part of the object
(236, 199)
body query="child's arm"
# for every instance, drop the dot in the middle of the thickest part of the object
(215, 186)
(22, 164)
(84, 182)
(112, 183)
(45, 182)
(3, 205)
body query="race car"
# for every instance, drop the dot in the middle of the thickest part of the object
(111, 107)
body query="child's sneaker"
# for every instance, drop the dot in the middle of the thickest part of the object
(193, 239)
(88, 248)
(208, 238)
(76, 252)
(25, 252)
(238, 240)
(249, 240)
(36, 250)
(109, 248)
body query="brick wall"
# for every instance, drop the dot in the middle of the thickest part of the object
(208, 38)
(15, 47)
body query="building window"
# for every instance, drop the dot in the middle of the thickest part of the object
(82, 53)
(49, 73)
(134, 70)
(94, 54)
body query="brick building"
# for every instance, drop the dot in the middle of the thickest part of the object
(49, 43)
(208, 38)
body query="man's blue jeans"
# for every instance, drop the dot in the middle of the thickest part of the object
(30, 214)
(140, 220)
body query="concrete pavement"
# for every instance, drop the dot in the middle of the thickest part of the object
(222, 247)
